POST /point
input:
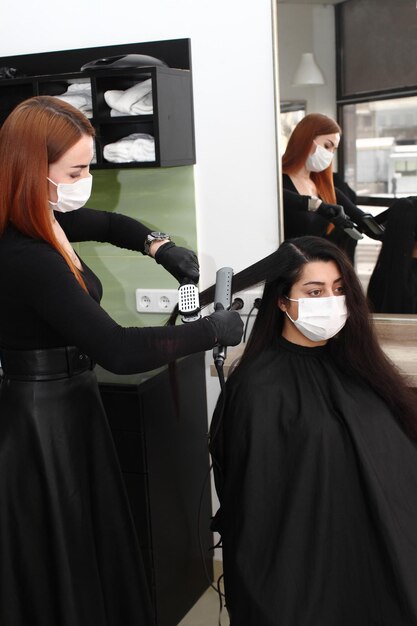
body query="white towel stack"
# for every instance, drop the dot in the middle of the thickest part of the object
(136, 100)
(137, 147)
(79, 95)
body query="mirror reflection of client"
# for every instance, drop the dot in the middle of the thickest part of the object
(314, 451)
(312, 203)
(393, 284)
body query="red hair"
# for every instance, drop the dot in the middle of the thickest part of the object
(299, 147)
(37, 133)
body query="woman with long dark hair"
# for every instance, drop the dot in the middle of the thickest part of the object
(393, 283)
(314, 452)
(69, 555)
(312, 203)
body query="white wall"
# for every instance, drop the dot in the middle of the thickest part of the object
(308, 28)
(233, 98)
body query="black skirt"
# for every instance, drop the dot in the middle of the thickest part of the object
(69, 555)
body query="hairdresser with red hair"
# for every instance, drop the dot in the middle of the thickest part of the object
(312, 204)
(69, 555)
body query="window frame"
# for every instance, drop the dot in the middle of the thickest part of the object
(356, 98)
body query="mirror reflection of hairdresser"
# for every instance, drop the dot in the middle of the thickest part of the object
(69, 555)
(393, 283)
(315, 457)
(312, 203)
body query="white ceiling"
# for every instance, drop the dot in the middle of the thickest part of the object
(309, 1)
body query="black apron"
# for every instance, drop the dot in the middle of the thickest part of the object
(69, 555)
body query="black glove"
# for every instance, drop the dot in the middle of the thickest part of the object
(335, 214)
(180, 262)
(228, 327)
(370, 227)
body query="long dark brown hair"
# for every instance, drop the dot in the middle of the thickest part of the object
(299, 146)
(37, 133)
(355, 350)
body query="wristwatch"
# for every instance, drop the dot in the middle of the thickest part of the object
(155, 236)
(313, 203)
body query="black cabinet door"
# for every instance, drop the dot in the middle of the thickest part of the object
(164, 432)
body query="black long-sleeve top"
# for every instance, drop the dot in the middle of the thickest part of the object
(299, 221)
(42, 305)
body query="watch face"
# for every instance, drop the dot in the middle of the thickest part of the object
(159, 235)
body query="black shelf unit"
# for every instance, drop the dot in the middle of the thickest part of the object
(171, 122)
(162, 447)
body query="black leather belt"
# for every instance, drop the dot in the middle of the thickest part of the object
(49, 364)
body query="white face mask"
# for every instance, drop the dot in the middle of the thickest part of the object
(320, 318)
(319, 160)
(72, 196)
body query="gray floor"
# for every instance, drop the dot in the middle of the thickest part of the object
(206, 611)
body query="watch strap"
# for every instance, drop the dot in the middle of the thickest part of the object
(154, 236)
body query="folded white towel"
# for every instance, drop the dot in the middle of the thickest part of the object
(79, 95)
(136, 100)
(136, 147)
(114, 113)
(80, 88)
(79, 102)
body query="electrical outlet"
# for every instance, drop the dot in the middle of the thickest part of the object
(156, 300)
(164, 300)
(248, 298)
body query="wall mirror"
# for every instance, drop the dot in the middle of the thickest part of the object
(370, 88)
(291, 112)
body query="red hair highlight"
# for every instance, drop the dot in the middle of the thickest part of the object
(37, 133)
(299, 147)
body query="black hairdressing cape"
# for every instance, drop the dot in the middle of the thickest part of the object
(318, 490)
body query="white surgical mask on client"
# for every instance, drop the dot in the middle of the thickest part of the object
(319, 160)
(72, 196)
(320, 318)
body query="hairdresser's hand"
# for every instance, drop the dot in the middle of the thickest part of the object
(370, 227)
(180, 262)
(335, 214)
(228, 327)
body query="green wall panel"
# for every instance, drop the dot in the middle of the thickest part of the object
(163, 199)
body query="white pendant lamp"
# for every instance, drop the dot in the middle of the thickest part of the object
(308, 72)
